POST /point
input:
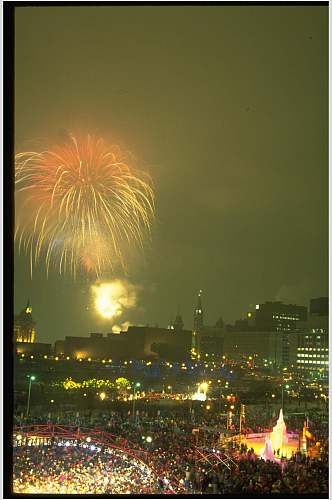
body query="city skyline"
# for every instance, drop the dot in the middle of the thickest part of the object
(229, 119)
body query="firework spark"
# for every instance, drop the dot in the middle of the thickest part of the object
(79, 204)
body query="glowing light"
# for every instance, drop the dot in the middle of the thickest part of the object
(112, 299)
(102, 396)
(149, 439)
(80, 204)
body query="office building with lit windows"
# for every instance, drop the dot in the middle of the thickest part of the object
(273, 325)
(312, 340)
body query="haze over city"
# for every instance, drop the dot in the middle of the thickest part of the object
(228, 117)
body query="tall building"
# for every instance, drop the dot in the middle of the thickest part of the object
(24, 326)
(313, 340)
(198, 314)
(319, 307)
(277, 317)
(198, 326)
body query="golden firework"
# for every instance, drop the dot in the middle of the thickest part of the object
(79, 204)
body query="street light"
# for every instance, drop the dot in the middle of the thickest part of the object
(282, 395)
(31, 379)
(136, 385)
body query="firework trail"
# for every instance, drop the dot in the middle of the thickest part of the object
(79, 204)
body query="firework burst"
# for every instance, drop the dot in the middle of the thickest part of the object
(79, 204)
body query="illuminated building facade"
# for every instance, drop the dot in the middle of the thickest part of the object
(24, 326)
(277, 317)
(284, 320)
(312, 346)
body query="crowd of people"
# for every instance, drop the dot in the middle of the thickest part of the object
(74, 469)
(171, 459)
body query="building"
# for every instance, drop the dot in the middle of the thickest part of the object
(206, 340)
(265, 348)
(25, 326)
(319, 307)
(313, 341)
(35, 349)
(211, 342)
(198, 325)
(276, 318)
(139, 342)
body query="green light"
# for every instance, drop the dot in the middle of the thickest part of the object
(32, 377)
(287, 386)
(138, 384)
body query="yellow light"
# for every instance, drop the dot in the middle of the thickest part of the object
(89, 359)
(232, 407)
(52, 400)
(45, 357)
(56, 358)
(273, 395)
(23, 355)
(208, 407)
(84, 394)
(19, 437)
(67, 357)
(204, 386)
(103, 361)
(110, 361)
(88, 439)
(249, 314)
(31, 357)
(102, 396)
(111, 298)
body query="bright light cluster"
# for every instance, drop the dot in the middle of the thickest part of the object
(70, 384)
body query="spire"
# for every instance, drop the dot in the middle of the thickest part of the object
(198, 313)
(178, 323)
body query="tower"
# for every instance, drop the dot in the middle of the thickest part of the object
(24, 326)
(198, 314)
(178, 323)
(198, 326)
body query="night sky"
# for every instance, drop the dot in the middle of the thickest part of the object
(227, 109)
